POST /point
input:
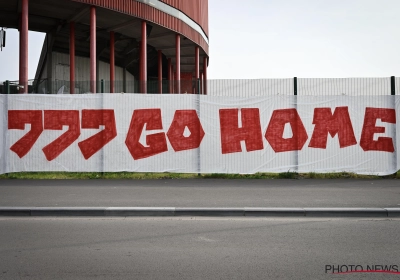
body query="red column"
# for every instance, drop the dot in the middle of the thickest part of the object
(93, 77)
(160, 88)
(143, 59)
(197, 69)
(112, 61)
(205, 75)
(72, 57)
(23, 48)
(169, 75)
(178, 63)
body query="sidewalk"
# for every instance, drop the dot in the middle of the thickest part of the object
(203, 197)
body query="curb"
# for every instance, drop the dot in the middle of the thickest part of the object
(194, 212)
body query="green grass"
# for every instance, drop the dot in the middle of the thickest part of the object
(141, 176)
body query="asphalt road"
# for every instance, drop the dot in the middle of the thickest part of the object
(172, 248)
(200, 193)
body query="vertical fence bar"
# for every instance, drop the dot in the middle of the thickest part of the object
(7, 87)
(169, 75)
(205, 75)
(198, 86)
(102, 85)
(295, 85)
(393, 85)
(396, 133)
(160, 85)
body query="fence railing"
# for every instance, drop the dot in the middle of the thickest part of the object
(233, 87)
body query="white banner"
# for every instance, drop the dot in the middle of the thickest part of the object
(199, 134)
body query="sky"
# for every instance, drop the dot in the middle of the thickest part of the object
(256, 39)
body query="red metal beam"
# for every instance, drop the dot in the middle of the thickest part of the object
(72, 57)
(93, 77)
(112, 61)
(178, 63)
(143, 59)
(23, 48)
(147, 12)
(160, 87)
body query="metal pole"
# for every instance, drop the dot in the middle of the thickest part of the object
(160, 87)
(124, 88)
(205, 75)
(72, 57)
(396, 132)
(198, 86)
(393, 85)
(143, 59)
(295, 85)
(112, 61)
(178, 62)
(169, 75)
(201, 83)
(93, 57)
(7, 87)
(23, 48)
(102, 85)
(173, 79)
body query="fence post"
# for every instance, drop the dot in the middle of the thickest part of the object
(296, 154)
(198, 85)
(7, 87)
(102, 86)
(396, 133)
(393, 85)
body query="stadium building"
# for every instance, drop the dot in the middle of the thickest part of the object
(139, 46)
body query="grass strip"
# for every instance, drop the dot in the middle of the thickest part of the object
(148, 176)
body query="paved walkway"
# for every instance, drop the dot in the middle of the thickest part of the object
(237, 198)
(215, 193)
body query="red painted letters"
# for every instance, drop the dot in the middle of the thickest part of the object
(183, 119)
(92, 119)
(186, 131)
(157, 143)
(231, 134)
(55, 120)
(275, 129)
(339, 123)
(17, 120)
(384, 144)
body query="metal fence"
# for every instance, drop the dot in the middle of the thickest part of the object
(233, 88)
(305, 86)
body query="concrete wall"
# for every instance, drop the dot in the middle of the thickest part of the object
(58, 73)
